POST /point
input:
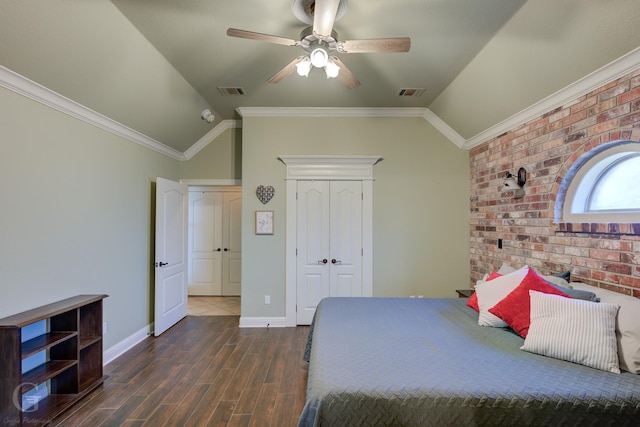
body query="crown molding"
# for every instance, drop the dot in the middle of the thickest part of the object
(444, 128)
(329, 112)
(213, 182)
(610, 72)
(36, 92)
(210, 136)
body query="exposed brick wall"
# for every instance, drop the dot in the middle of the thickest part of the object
(605, 255)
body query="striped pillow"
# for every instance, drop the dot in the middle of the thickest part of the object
(575, 330)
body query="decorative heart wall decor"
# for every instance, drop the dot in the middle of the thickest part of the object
(265, 193)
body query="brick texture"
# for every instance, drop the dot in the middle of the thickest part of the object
(531, 227)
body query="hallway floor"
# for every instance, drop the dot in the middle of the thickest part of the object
(213, 306)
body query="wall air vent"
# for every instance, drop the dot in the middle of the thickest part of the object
(411, 92)
(227, 91)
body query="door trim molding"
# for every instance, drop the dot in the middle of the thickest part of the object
(329, 168)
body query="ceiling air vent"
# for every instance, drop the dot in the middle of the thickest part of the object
(227, 91)
(411, 91)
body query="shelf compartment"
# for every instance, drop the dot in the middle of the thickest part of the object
(44, 372)
(90, 364)
(88, 341)
(91, 319)
(43, 342)
(53, 405)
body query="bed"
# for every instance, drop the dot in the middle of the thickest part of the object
(426, 362)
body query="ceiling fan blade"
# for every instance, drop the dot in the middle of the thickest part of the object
(391, 45)
(286, 71)
(324, 15)
(234, 32)
(345, 76)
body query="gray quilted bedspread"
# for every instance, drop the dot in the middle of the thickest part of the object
(426, 362)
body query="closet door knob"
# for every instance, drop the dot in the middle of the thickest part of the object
(218, 250)
(225, 249)
(335, 261)
(323, 261)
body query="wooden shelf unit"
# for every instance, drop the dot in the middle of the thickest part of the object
(73, 367)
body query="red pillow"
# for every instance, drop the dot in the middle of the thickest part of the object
(473, 299)
(515, 308)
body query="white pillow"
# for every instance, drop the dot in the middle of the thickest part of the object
(627, 325)
(506, 269)
(492, 292)
(579, 331)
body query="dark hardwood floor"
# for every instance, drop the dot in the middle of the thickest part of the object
(204, 371)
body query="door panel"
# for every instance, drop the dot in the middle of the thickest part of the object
(205, 247)
(232, 243)
(170, 254)
(314, 286)
(346, 238)
(345, 286)
(313, 247)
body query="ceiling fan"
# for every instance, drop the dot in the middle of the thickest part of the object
(321, 43)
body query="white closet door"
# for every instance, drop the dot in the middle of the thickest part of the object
(346, 239)
(329, 232)
(205, 243)
(232, 243)
(313, 248)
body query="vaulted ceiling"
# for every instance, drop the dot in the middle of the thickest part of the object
(155, 65)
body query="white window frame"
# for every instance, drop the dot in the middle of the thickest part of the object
(582, 183)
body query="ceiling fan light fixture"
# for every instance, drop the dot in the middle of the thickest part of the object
(303, 67)
(332, 69)
(319, 57)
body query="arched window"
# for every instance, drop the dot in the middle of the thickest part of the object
(604, 185)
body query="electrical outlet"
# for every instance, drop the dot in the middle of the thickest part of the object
(104, 328)
(267, 299)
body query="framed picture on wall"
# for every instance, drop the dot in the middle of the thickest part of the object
(264, 222)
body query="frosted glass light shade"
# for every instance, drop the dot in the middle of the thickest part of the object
(319, 57)
(303, 67)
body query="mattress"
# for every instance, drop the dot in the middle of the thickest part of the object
(426, 362)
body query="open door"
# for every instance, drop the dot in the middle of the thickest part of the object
(171, 254)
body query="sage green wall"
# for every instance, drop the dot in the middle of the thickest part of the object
(75, 215)
(421, 203)
(220, 159)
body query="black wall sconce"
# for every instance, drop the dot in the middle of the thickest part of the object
(516, 183)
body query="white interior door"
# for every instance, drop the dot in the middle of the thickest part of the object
(170, 254)
(346, 239)
(313, 248)
(205, 243)
(232, 243)
(329, 245)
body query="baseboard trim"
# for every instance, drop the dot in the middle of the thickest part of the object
(115, 351)
(262, 322)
